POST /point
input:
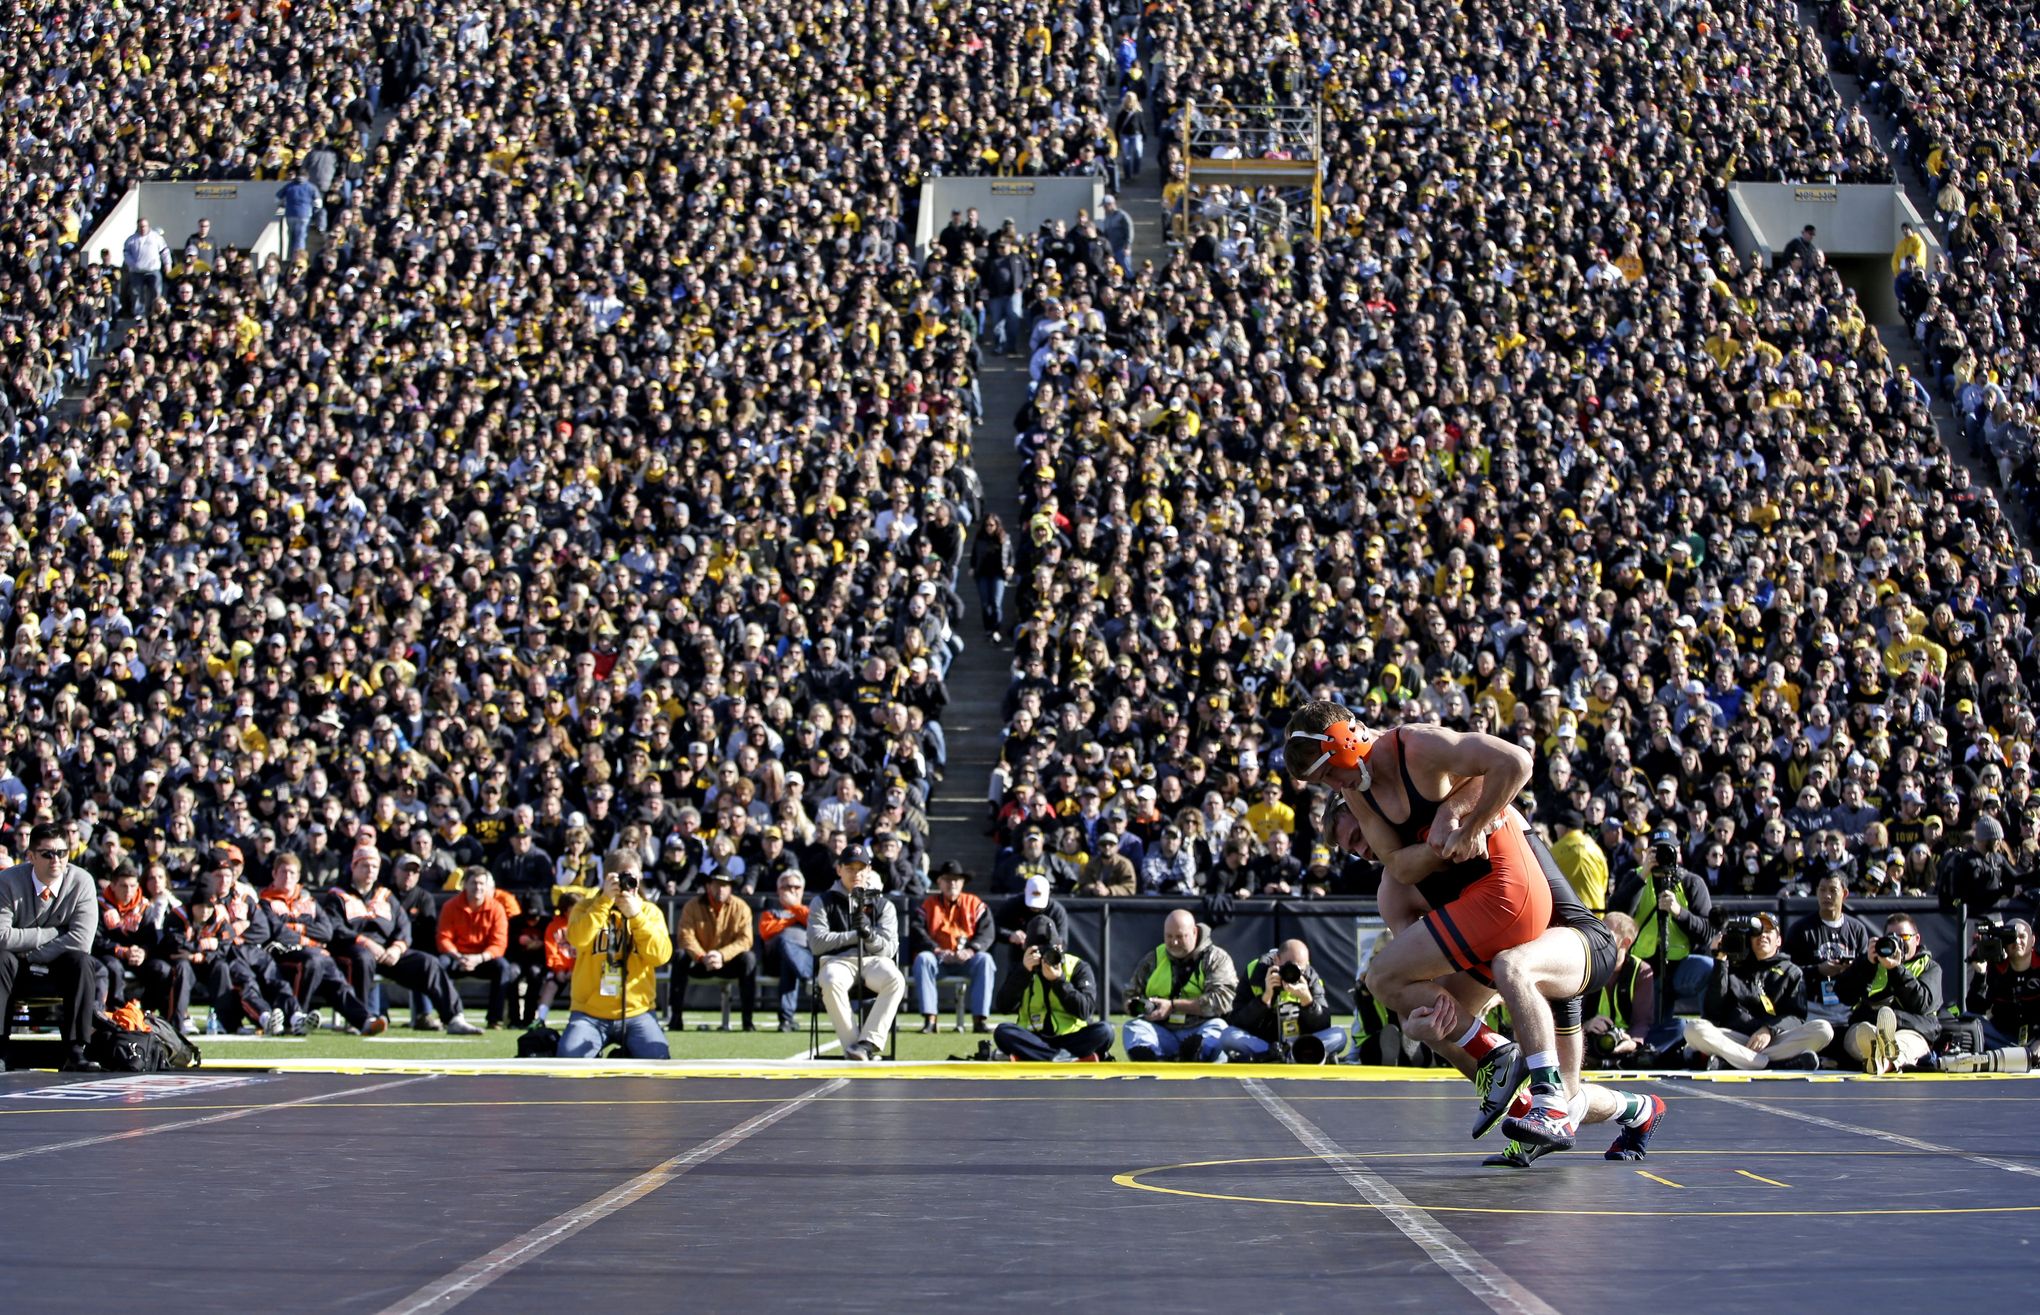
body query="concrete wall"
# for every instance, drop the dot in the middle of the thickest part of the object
(1028, 202)
(1856, 224)
(244, 214)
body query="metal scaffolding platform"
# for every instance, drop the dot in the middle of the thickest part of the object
(1273, 152)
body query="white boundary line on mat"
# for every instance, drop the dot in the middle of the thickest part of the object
(1487, 1281)
(446, 1293)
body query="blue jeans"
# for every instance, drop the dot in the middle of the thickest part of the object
(640, 1034)
(298, 232)
(1689, 980)
(991, 592)
(1009, 319)
(1689, 977)
(795, 964)
(1245, 1045)
(144, 289)
(1150, 1041)
(979, 970)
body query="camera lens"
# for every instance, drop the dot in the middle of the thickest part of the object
(1291, 973)
(1887, 947)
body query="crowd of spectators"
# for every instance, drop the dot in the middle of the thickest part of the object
(593, 486)
(586, 484)
(1521, 446)
(1972, 136)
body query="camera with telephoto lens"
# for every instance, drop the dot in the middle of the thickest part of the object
(1137, 1006)
(627, 883)
(1664, 857)
(1290, 973)
(1993, 943)
(1888, 946)
(1051, 953)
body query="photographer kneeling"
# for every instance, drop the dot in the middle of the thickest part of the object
(853, 930)
(2004, 986)
(1280, 1012)
(1894, 993)
(1055, 1004)
(620, 943)
(1756, 1004)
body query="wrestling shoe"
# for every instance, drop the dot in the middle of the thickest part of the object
(1630, 1143)
(1519, 1155)
(1546, 1127)
(1498, 1078)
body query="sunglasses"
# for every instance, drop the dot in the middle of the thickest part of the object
(48, 853)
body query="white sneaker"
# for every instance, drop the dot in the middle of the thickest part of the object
(1887, 1040)
(300, 1024)
(461, 1027)
(271, 1022)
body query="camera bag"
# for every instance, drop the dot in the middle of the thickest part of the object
(158, 1048)
(1960, 1036)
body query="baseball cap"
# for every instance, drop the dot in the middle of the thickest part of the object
(1034, 894)
(858, 854)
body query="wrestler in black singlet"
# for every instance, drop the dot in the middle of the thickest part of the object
(1448, 883)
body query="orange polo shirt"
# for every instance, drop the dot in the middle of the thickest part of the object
(465, 929)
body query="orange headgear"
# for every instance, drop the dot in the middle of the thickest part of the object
(1344, 747)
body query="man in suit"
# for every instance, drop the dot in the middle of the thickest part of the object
(48, 913)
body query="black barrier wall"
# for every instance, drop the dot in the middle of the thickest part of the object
(1113, 935)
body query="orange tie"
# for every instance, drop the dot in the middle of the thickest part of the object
(46, 892)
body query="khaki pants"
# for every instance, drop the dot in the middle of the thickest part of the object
(882, 977)
(1912, 1047)
(1789, 1040)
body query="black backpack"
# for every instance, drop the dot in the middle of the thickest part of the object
(538, 1042)
(157, 1050)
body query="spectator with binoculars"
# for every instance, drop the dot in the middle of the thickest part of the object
(1280, 1012)
(1755, 1014)
(1056, 1002)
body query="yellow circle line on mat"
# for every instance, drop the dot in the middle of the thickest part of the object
(1133, 1179)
